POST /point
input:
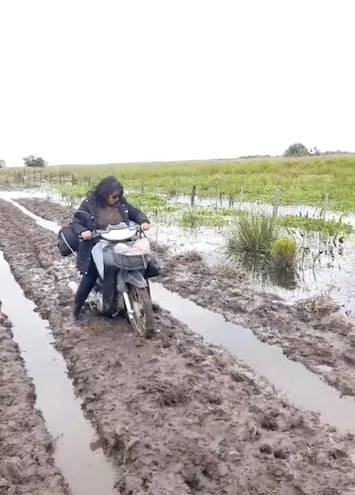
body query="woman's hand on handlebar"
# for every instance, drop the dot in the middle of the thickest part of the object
(145, 226)
(86, 235)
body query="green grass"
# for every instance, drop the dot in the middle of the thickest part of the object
(329, 227)
(193, 218)
(253, 235)
(197, 217)
(284, 253)
(300, 180)
(255, 242)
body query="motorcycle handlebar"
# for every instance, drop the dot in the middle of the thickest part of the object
(99, 232)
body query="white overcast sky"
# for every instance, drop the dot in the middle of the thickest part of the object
(92, 81)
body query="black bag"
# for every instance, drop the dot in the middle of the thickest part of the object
(153, 268)
(68, 241)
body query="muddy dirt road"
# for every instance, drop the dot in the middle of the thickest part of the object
(26, 463)
(312, 333)
(176, 416)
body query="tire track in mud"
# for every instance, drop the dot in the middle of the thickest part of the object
(182, 419)
(311, 332)
(26, 463)
(321, 340)
(86, 472)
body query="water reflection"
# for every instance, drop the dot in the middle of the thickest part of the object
(265, 272)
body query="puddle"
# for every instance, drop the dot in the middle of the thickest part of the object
(302, 388)
(322, 271)
(10, 195)
(87, 472)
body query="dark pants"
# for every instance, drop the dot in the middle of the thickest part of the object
(87, 283)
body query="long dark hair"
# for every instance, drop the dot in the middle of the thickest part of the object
(107, 186)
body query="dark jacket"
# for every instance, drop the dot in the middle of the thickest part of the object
(85, 219)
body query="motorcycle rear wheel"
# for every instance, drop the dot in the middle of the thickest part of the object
(142, 321)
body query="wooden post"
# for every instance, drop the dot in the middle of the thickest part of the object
(325, 207)
(193, 194)
(72, 180)
(276, 204)
(60, 179)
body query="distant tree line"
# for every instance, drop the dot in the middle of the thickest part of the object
(299, 149)
(35, 161)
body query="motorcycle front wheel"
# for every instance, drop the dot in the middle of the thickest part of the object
(142, 320)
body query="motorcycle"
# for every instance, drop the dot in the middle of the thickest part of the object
(122, 256)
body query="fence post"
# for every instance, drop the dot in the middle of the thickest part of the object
(241, 196)
(276, 204)
(325, 207)
(193, 194)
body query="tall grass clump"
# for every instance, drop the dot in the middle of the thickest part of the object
(255, 241)
(253, 235)
(284, 253)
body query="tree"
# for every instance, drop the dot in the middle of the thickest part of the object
(2, 164)
(297, 149)
(315, 151)
(34, 161)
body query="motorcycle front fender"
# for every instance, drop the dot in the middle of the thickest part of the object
(134, 278)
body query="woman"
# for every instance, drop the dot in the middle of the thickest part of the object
(105, 205)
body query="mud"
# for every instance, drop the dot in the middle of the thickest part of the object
(26, 462)
(176, 416)
(312, 332)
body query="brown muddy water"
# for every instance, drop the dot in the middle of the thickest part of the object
(302, 388)
(86, 471)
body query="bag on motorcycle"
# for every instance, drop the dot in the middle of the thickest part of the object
(68, 241)
(153, 269)
(129, 263)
